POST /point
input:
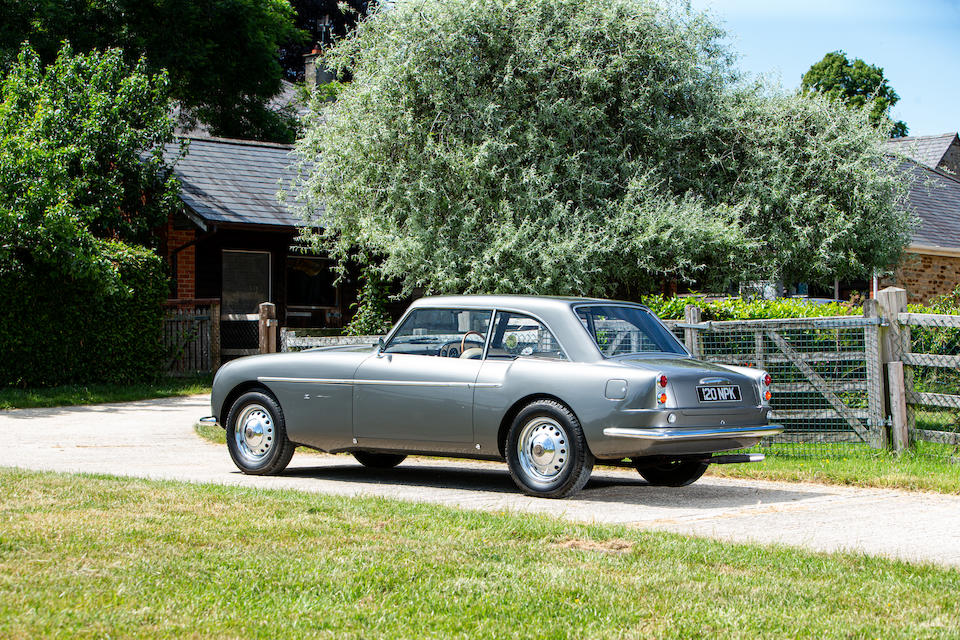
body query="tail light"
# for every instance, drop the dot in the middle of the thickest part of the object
(662, 389)
(765, 393)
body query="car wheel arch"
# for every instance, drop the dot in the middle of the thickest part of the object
(236, 392)
(516, 408)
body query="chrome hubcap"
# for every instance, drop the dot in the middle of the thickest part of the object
(253, 433)
(543, 447)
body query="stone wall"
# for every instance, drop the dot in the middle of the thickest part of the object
(926, 276)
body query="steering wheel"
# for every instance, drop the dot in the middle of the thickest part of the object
(463, 340)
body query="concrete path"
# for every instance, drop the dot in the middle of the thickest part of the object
(155, 439)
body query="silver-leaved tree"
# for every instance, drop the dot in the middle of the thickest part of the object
(584, 147)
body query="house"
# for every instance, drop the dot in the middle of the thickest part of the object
(937, 152)
(931, 266)
(235, 241)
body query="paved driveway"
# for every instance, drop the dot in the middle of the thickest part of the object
(155, 439)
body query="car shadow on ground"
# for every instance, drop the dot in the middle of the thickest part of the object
(604, 486)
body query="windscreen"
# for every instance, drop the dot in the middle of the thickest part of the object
(620, 330)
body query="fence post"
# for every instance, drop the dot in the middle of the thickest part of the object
(892, 301)
(876, 404)
(691, 337)
(898, 407)
(214, 336)
(268, 327)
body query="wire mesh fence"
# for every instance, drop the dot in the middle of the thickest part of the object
(827, 382)
(929, 347)
(240, 335)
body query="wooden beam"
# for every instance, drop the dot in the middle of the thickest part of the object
(941, 400)
(943, 437)
(931, 360)
(806, 387)
(929, 320)
(817, 414)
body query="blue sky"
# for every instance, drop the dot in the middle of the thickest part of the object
(916, 43)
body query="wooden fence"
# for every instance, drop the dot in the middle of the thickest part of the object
(191, 336)
(923, 374)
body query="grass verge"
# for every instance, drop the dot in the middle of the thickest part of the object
(12, 398)
(94, 556)
(211, 432)
(927, 468)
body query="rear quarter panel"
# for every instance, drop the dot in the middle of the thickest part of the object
(581, 386)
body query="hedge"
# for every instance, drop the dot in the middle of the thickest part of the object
(672, 308)
(106, 327)
(740, 309)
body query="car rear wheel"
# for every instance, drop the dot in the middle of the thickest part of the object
(257, 435)
(678, 472)
(379, 460)
(546, 451)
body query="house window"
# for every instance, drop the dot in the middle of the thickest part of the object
(246, 281)
(310, 283)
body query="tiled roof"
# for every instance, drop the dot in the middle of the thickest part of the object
(289, 99)
(935, 197)
(927, 150)
(237, 181)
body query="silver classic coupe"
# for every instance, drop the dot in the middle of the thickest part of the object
(551, 385)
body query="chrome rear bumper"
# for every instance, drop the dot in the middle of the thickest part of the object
(709, 433)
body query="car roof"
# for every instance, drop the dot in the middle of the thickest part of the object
(534, 304)
(555, 311)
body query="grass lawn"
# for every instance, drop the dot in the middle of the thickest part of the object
(12, 398)
(928, 468)
(93, 556)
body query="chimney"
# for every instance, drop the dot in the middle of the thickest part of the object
(314, 73)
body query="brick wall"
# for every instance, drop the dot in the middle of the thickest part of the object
(927, 276)
(186, 260)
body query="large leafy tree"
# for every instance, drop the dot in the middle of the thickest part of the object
(221, 55)
(856, 83)
(583, 147)
(80, 161)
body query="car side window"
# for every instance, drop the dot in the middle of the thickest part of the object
(449, 333)
(516, 335)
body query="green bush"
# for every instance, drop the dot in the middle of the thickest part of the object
(741, 309)
(60, 330)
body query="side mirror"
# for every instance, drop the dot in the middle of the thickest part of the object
(381, 345)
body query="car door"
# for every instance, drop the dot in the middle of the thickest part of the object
(417, 392)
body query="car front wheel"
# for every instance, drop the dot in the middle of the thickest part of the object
(672, 473)
(546, 451)
(257, 435)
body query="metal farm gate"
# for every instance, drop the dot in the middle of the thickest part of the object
(827, 385)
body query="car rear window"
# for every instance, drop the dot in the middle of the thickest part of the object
(621, 330)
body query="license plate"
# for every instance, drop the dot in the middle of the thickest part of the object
(719, 394)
